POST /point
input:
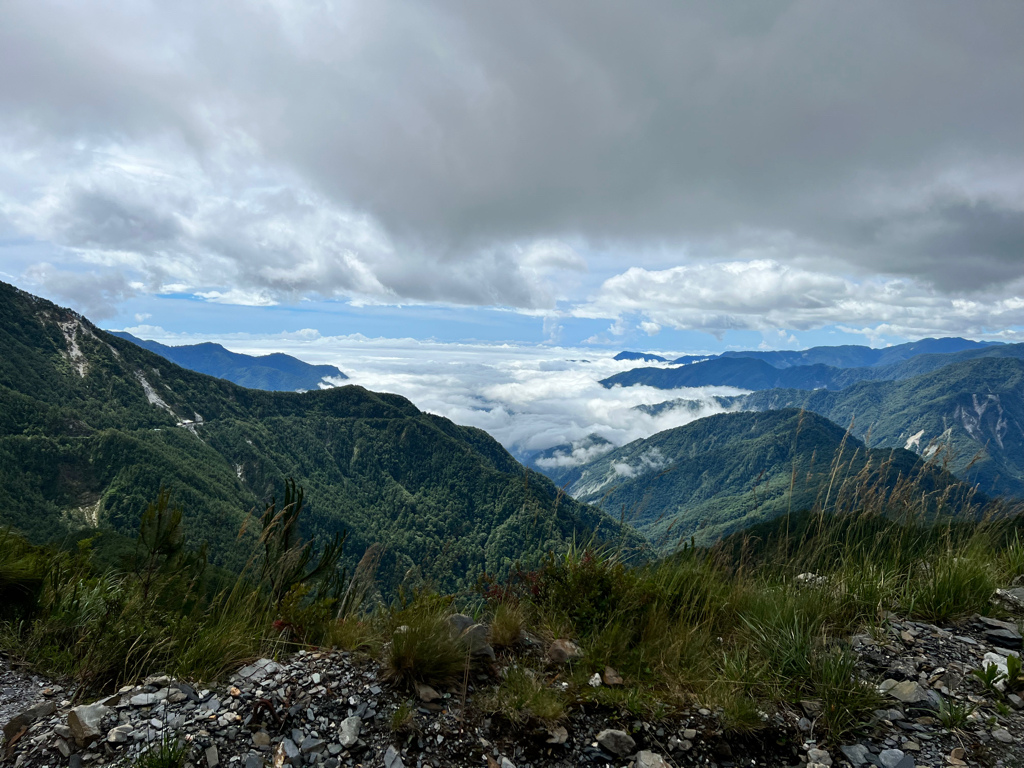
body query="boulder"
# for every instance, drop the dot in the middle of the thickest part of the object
(611, 677)
(895, 758)
(86, 722)
(426, 693)
(475, 638)
(819, 756)
(914, 695)
(348, 731)
(857, 754)
(392, 759)
(459, 623)
(615, 742)
(648, 759)
(26, 718)
(560, 651)
(557, 735)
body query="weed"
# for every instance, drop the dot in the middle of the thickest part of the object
(990, 676)
(403, 719)
(954, 714)
(847, 700)
(168, 753)
(506, 625)
(1014, 678)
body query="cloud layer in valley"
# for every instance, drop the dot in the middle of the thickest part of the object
(858, 164)
(530, 398)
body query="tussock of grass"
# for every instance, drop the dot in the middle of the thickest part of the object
(506, 625)
(421, 648)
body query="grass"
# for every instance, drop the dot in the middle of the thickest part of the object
(728, 627)
(506, 625)
(523, 696)
(955, 714)
(421, 648)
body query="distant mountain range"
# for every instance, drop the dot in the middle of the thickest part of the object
(756, 371)
(91, 427)
(276, 372)
(645, 356)
(723, 473)
(841, 356)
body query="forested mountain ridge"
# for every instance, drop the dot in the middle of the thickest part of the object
(973, 409)
(92, 425)
(753, 373)
(723, 473)
(276, 372)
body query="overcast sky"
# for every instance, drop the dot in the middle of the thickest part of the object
(668, 175)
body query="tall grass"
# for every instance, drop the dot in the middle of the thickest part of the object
(737, 627)
(164, 610)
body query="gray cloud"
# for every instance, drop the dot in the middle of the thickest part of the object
(419, 151)
(96, 294)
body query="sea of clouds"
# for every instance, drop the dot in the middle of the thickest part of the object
(529, 397)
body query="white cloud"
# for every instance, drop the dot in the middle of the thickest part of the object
(529, 398)
(767, 295)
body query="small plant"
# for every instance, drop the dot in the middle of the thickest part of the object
(956, 583)
(954, 714)
(847, 700)
(169, 753)
(1014, 679)
(990, 677)
(403, 719)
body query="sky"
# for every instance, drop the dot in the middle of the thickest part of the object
(673, 175)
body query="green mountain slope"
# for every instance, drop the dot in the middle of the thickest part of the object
(975, 409)
(277, 372)
(726, 472)
(91, 426)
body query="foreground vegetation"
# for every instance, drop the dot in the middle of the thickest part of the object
(749, 627)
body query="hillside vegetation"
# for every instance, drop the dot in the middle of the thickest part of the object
(973, 411)
(92, 426)
(723, 473)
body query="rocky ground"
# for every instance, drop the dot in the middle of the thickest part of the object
(330, 709)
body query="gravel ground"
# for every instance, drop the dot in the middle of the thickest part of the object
(20, 689)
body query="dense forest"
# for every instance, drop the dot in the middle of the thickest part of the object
(92, 426)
